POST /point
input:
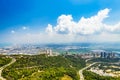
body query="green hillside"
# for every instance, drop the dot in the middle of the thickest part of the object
(4, 60)
(43, 67)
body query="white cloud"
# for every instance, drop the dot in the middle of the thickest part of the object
(67, 30)
(85, 26)
(12, 31)
(113, 28)
(24, 28)
(66, 25)
(49, 29)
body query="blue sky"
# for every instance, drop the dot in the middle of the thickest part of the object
(20, 17)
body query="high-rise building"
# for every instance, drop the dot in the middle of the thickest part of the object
(50, 52)
(47, 51)
(102, 54)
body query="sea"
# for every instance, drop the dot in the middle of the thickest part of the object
(3, 45)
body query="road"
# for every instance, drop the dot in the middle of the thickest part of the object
(81, 71)
(1, 68)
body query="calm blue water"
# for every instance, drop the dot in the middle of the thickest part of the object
(2, 45)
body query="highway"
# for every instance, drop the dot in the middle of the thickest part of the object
(81, 71)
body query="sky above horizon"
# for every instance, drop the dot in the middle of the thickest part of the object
(64, 21)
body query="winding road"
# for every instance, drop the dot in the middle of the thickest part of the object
(81, 71)
(1, 68)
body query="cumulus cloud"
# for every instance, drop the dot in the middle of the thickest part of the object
(112, 28)
(66, 30)
(85, 26)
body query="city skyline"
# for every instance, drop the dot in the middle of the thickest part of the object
(62, 21)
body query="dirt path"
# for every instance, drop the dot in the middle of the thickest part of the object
(1, 68)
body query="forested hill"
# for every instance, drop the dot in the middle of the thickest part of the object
(43, 67)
